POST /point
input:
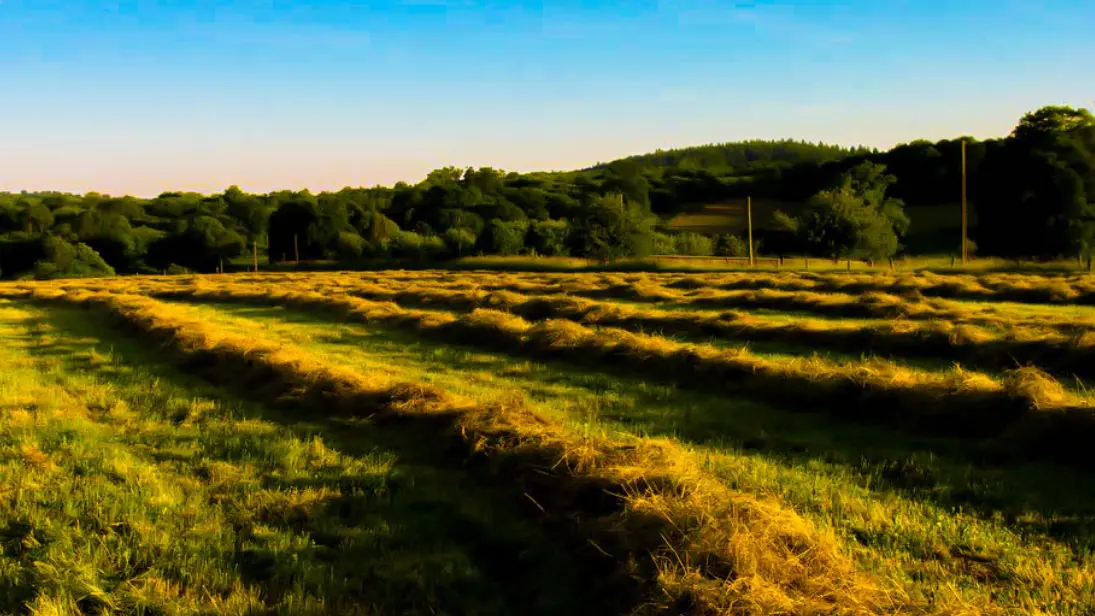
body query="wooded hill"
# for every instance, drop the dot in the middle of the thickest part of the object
(1033, 195)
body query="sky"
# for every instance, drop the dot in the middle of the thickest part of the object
(143, 96)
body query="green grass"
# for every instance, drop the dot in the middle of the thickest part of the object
(1018, 536)
(129, 487)
(731, 216)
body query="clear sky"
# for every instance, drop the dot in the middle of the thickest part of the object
(143, 96)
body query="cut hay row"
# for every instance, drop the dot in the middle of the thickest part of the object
(1056, 352)
(873, 305)
(1033, 289)
(701, 548)
(831, 305)
(870, 305)
(1037, 289)
(1023, 289)
(1024, 412)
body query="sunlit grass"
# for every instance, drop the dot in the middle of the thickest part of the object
(937, 520)
(930, 520)
(131, 488)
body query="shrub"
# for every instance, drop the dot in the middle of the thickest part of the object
(505, 238)
(64, 260)
(693, 244)
(729, 245)
(349, 245)
(549, 237)
(459, 241)
(662, 244)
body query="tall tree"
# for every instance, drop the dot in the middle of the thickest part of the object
(1036, 196)
(852, 219)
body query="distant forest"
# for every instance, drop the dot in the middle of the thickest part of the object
(1033, 193)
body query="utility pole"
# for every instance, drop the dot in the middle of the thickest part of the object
(255, 252)
(296, 251)
(749, 217)
(965, 228)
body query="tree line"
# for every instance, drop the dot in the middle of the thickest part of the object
(1033, 192)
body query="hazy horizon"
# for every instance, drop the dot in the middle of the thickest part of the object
(139, 97)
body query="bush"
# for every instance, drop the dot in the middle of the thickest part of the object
(432, 247)
(611, 228)
(459, 241)
(410, 245)
(729, 245)
(405, 244)
(662, 244)
(349, 245)
(693, 244)
(549, 237)
(63, 260)
(505, 238)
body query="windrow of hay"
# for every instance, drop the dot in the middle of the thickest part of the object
(1023, 288)
(603, 287)
(1049, 349)
(869, 304)
(660, 517)
(955, 402)
(1037, 289)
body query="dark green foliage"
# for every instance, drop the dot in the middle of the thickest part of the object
(549, 237)
(1040, 187)
(662, 244)
(349, 245)
(504, 238)
(853, 219)
(410, 245)
(63, 260)
(693, 244)
(460, 241)
(1033, 194)
(729, 245)
(302, 224)
(611, 228)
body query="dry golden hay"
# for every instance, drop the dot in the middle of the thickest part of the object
(714, 549)
(1042, 390)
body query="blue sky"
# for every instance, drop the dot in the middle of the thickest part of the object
(143, 96)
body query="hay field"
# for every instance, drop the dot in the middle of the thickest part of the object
(437, 442)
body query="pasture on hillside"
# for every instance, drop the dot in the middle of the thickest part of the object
(934, 228)
(474, 442)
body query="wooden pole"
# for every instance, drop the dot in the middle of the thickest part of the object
(296, 251)
(749, 216)
(255, 252)
(965, 227)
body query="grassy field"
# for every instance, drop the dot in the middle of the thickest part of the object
(488, 442)
(930, 227)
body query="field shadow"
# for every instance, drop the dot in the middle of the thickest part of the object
(950, 472)
(426, 538)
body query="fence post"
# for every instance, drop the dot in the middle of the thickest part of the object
(849, 265)
(807, 263)
(891, 264)
(952, 261)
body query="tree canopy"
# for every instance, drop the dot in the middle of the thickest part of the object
(1033, 192)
